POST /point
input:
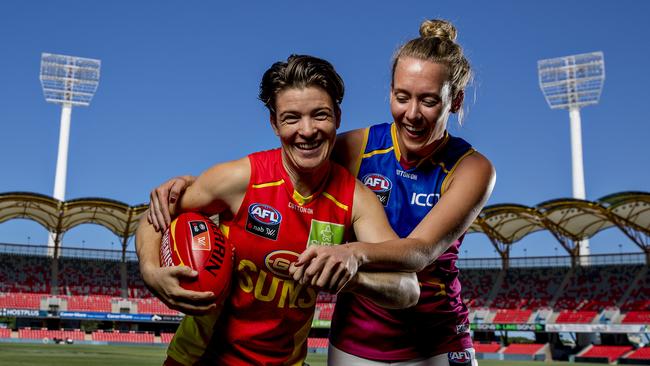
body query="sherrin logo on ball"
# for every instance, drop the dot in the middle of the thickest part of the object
(263, 220)
(195, 241)
(380, 185)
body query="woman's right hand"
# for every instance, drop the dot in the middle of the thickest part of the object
(164, 282)
(163, 200)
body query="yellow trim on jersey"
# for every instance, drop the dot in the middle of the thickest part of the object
(445, 182)
(375, 152)
(393, 136)
(192, 338)
(398, 152)
(270, 184)
(336, 202)
(172, 230)
(357, 165)
(300, 199)
(299, 340)
(444, 168)
(225, 229)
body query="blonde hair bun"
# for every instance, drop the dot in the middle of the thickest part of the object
(438, 28)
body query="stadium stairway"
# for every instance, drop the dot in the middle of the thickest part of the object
(495, 289)
(634, 285)
(563, 285)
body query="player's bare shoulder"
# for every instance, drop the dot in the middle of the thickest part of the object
(475, 169)
(347, 149)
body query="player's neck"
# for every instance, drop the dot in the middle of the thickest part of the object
(308, 183)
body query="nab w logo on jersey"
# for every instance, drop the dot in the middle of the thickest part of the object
(380, 185)
(200, 236)
(263, 220)
(460, 358)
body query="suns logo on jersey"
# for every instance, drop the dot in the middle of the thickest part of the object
(380, 185)
(263, 220)
(278, 289)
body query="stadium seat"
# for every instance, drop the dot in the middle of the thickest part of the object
(508, 316)
(637, 317)
(573, 317)
(153, 306)
(166, 337)
(523, 348)
(21, 300)
(640, 354)
(594, 288)
(325, 311)
(318, 343)
(123, 337)
(487, 347)
(476, 285)
(528, 288)
(611, 353)
(43, 333)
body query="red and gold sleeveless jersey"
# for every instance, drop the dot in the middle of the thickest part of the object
(267, 318)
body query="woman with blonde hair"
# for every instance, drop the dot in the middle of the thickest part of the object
(432, 186)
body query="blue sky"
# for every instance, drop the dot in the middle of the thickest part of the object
(179, 84)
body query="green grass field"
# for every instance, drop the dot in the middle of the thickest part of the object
(14, 354)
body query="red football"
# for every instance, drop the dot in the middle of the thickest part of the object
(195, 241)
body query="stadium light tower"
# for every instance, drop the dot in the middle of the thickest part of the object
(573, 82)
(68, 81)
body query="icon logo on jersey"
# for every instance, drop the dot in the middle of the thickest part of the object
(380, 185)
(278, 262)
(200, 235)
(424, 200)
(325, 233)
(462, 328)
(263, 220)
(460, 358)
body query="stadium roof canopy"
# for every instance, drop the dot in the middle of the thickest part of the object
(58, 217)
(568, 220)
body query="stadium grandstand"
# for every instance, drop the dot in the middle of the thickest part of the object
(64, 294)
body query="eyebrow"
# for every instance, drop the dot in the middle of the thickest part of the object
(433, 94)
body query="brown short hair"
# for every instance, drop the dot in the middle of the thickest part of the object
(300, 71)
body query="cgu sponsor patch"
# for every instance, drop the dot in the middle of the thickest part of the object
(460, 358)
(200, 235)
(279, 261)
(263, 220)
(380, 185)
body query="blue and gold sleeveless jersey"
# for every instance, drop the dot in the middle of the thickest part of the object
(438, 323)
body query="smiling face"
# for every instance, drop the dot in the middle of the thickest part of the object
(306, 121)
(420, 102)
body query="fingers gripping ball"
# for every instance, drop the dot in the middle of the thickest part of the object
(195, 241)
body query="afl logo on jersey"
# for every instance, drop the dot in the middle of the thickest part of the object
(278, 262)
(380, 185)
(263, 220)
(459, 358)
